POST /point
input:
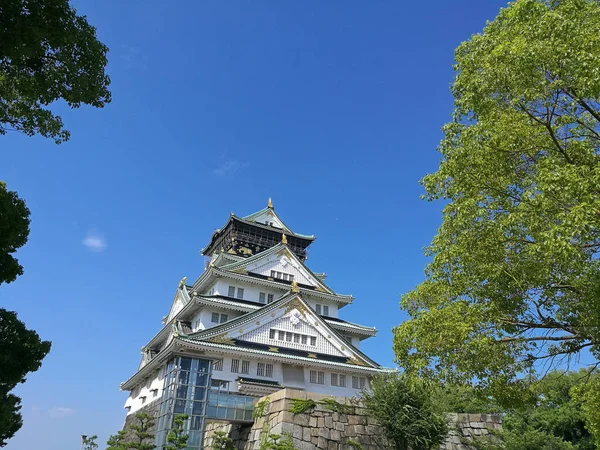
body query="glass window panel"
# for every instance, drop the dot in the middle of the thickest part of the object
(334, 379)
(186, 363)
(182, 392)
(354, 382)
(342, 380)
(296, 338)
(231, 291)
(199, 393)
(362, 382)
(304, 339)
(313, 376)
(224, 318)
(313, 341)
(318, 309)
(230, 413)
(183, 377)
(211, 411)
(272, 333)
(281, 335)
(202, 379)
(270, 298)
(289, 336)
(179, 407)
(262, 297)
(214, 318)
(325, 310)
(321, 377)
(197, 408)
(240, 293)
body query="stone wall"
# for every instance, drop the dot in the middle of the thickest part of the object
(324, 429)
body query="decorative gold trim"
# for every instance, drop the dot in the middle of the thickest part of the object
(257, 322)
(296, 304)
(221, 339)
(182, 282)
(274, 349)
(270, 203)
(284, 239)
(241, 331)
(356, 362)
(312, 355)
(295, 287)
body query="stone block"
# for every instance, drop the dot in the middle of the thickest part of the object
(301, 419)
(322, 443)
(307, 446)
(287, 416)
(306, 434)
(335, 435)
(314, 431)
(335, 416)
(339, 426)
(297, 432)
(328, 422)
(344, 418)
(324, 432)
(362, 420)
(320, 422)
(353, 420)
(359, 429)
(332, 445)
(312, 421)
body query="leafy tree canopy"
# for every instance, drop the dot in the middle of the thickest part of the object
(21, 352)
(14, 231)
(405, 410)
(514, 279)
(47, 53)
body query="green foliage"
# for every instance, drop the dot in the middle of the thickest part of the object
(176, 439)
(143, 438)
(14, 231)
(354, 444)
(587, 397)
(117, 441)
(260, 409)
(47, 53)
(301, 405)
(404, 409)
(89, 442)
(333, 405)
(463, 398)
(514, 277)
(277, 442)
(221, 441)
(21, 352)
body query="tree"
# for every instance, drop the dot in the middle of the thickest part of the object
(404, 409)
(47, 53)
(117, 441)
(551, 419)
(21, 352)
(221, 441)
(513, 285)
(89, 442)
(176, 439)
(14, 231)
(142, 432)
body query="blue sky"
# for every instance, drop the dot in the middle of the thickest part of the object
(333, 109)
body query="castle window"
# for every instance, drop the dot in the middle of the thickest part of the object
(317, 377)
(282, 335)
(334, 379)
(269, 370)
(260, 369)
(235, 365)
(218, 365)
(245, 367)
(362, 382)
(342, 380)
(313, 341)
(325, 310)
(270, 298)
(318, 309)
(231, 291)
(272, 333)
(224, 318)
(261, 297)
(214, 318)
(304, 339)
(240, 293)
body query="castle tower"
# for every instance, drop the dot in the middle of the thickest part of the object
(255, 321)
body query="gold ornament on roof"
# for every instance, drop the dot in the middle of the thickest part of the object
(221, 339)
(356, 362)
(283, 239)
(295, 286)
(182, 282)
(270, 203)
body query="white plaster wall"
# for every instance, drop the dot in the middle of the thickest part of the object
(135, 397)
(251, 291)
(327, 388)
(227, 375)
(261, 335)
(205, 316)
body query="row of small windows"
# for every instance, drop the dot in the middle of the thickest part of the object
(231, 292)
(265, 298)
(322, 309)
(219, 318)
(282, 275)
(337, 379)
(288, 336)
(243, 367)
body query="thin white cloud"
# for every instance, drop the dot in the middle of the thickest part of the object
(60, 412)
(229, 167)
(94, 242)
